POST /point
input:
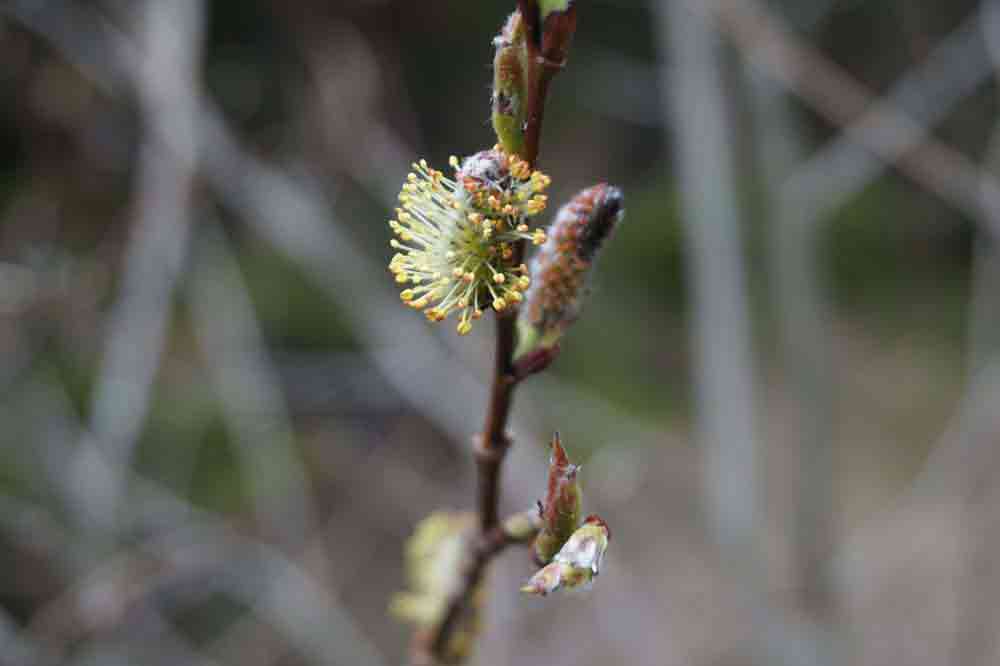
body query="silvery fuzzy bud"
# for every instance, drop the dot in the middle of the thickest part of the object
(562, 266)
(560, 512)
(577, 563)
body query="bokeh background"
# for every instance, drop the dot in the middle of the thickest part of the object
(218, 426)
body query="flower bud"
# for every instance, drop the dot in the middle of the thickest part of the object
(560, 512)
(577, 563)
(562, 266)
(521, 527)
(510, 96)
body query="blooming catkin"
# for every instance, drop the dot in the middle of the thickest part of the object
(562, 265)
(456, 237)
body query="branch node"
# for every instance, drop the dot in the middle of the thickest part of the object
(492, 451)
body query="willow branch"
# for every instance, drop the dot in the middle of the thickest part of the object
(492, 444)
(547, 45)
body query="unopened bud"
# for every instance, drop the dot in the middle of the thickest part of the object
(561, 268)
(577, 563)
(510, 95)
(560, 512)
(521, 527)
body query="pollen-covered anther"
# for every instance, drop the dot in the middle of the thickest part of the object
(520, 169)
(536, 204)
(538, 237)
(540, 181)
(499, 278)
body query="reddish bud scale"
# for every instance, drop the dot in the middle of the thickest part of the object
(560, 268)
(561, 509)
(594, 519)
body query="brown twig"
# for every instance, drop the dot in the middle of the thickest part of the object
(547, 51)
(547, 46)
(492, 444)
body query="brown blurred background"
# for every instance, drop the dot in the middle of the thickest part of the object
(218, 426)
